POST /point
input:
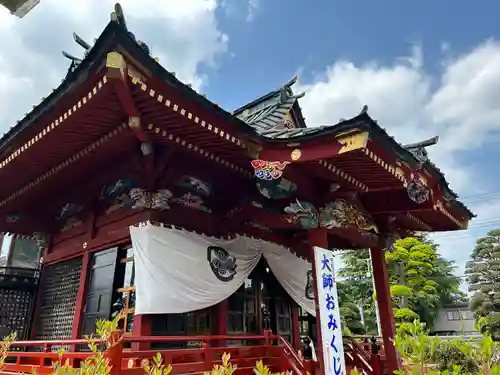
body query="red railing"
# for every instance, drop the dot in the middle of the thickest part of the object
(291, 358)
(274, 350)
(24, 360)
(191, 360)
(363, 356)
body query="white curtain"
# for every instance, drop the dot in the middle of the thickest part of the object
(178, 271)
(293, 273)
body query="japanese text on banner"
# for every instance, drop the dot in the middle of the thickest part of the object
(331, 332)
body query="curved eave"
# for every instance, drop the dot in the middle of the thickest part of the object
(364, 122)
(114, 35)
(68, 85)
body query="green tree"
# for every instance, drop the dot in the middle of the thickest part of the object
(413, 282)
(357, 286)
(483, 276)
(421, 281)
(350, 313)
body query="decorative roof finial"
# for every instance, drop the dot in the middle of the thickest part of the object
(418, 149)
(364, 109)
(286, 91)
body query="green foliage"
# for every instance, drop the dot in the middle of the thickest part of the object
(5, 347)
(428, 282)
(356, 290)
(96, 363)
(415, 347)
(156, 367)
(421, 281)
(351, 318)
(226, 368)
(448, 354)
(405, 314)
(422, 354)
(483, 276)
(261, 369)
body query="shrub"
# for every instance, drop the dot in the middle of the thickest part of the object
(424, 355)
(5, 347)
(448, 354)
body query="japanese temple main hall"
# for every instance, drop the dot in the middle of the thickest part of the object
(125, 190)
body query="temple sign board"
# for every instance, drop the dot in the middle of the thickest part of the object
(329, 313)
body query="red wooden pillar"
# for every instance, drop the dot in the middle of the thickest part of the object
(221, 324)
(142, 327)
(218, 322)
(381, 276)
(319, 238)
(81, 295)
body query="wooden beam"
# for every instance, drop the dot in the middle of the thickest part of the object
(263, 217)
(325, 148)
(117, 72)
(392, 202)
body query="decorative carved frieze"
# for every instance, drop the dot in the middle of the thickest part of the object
(337, 214)
(42, 240)
(193, 201)
(342, 213)
(303, 214)
(70, 216)
(417, 190)
(277, 189)
(117, 194)
(13, 218)
(157, 200)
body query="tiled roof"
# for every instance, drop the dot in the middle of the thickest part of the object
(285, 133)
(262, 118)
(269, 111)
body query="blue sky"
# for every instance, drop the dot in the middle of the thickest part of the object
(423, 68)
(287, 35)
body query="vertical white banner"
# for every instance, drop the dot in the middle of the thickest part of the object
(329, 313)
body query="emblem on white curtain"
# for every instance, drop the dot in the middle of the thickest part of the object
(222, 263)
(309, 285)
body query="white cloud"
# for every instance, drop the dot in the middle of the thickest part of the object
(183, 34)
(241, 9)
(253, 6)
(461, 107)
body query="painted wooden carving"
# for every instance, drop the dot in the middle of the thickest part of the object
(193, 201)
(13, 218)
(277, 189)
(194, 185)
(41, 240)
(342, 213)
(303, 214)
(268, 170)
(337, 214)
(69, 216)
(416, 189)
(254, 224)
(117, 194)
(157, 200)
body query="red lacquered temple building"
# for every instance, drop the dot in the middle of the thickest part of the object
(123, 144)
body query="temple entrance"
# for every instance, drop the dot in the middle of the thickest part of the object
(259, 304)
(100, 289)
